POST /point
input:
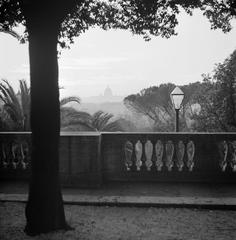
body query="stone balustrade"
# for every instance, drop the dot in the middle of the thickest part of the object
(89, 159)
(182, 157)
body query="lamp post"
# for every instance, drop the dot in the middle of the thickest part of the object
(177, 97)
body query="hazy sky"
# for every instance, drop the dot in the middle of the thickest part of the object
(126, 62)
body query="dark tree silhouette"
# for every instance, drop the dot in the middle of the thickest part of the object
(48, 22)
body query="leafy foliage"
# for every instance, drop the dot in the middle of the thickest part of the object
(152, 17)
(218, 103)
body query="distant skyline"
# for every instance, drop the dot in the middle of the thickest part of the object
(126, 62)
(107, 96)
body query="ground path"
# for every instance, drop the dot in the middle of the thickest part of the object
(192, 213)
(188, 195)
(127, 223)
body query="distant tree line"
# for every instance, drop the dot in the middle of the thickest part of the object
(155, 103)
(208, 106)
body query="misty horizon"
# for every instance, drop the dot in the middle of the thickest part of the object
(126, 62)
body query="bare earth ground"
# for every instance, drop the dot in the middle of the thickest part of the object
(127, 223)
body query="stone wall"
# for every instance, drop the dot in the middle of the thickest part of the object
(90, 159)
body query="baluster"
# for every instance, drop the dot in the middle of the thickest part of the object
(1, 156)
(15, 155)
(5, 159)
(148, 154)
(180, 149)
(223, 150)
(143, 156)
(133, 156)
(190, 155)
(233, 156)
(24, 155)
(169, 155)
(128, 148)
(159, 154)
(138, 153)
(153, 157)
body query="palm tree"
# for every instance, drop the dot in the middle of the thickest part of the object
(16, 106)
(66, 100)
(15, 111)
(102, 122)
(71, 119)
(83, 121)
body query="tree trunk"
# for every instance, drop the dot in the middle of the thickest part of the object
(44, 210)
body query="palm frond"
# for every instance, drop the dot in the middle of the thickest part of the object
(25, 103)
(70, 116)
(13, 104)
(6, 123)
(99, 119)
(102, 121)
(10, 99)
(69, 99)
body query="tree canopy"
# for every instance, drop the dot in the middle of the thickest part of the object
(218, 103)
(144, 17)
(155, 103)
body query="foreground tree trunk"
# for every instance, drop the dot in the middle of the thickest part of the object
(44, 210)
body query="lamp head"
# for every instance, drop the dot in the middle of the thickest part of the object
(177, 97)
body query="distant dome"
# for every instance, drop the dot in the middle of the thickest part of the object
(108, 92)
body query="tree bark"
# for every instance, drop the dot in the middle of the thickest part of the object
(44, 210)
